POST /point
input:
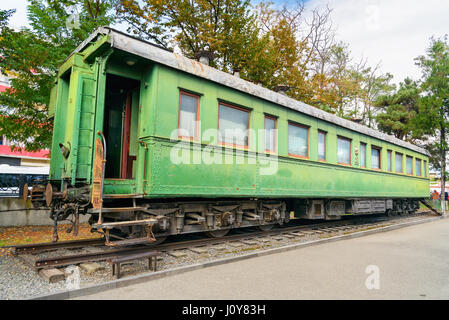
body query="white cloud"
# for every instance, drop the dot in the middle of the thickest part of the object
(19, 19)
(391, 31)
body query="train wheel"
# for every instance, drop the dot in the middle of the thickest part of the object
(217, 233)
(266, 227)
(159, 240)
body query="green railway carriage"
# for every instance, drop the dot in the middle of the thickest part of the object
(148, 140)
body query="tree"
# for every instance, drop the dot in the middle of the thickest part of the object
(433, 117)
(398, 110)
(31, 57)
(226, 29)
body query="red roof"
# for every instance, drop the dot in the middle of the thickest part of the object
(6, 151)
(3, 88)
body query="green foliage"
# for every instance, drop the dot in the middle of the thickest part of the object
(224, 28)
(432, 121)
(398, 110)
(31, 57)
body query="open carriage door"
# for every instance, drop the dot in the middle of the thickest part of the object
(129, 135)
(120, 126)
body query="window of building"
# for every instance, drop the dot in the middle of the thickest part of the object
(363, 155)
(189, 105)
(233, 125)
(321, 145)
(270, 134)
(298, 140)
(344, 150)
(398, 162)
(375, 158)
(389, 154)
(1, 140)
(409, 165)
(418, 167)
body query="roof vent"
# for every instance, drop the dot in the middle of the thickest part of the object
(282, 89)
(204, 56)
(356, 120)
(237, 73)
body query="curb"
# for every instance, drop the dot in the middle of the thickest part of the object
(120, 283)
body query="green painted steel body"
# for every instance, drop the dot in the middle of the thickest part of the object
(79, 104)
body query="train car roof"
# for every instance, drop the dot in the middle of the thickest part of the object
(150, 51)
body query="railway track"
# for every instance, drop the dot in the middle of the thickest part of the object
(250, 237)
(47, 246)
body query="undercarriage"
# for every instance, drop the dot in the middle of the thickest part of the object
(127, 220)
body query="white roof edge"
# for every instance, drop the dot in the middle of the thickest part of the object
(152, 52)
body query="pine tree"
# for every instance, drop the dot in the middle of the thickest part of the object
(433, 117)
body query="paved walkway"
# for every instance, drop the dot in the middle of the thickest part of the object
(413, 263)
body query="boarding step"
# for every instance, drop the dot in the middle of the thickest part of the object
(119, 209)
(122, 196)
(110, 225)
(130, 242)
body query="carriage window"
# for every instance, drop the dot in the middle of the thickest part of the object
(188, 115)
(298, 140)
(270, 134)
(425, 168)
(418, 167)
(375, 158)
(389, 153)
(233, 125)
(344, 150)
(398, 162)
(321, 145)
(409, 163)
(363, 155)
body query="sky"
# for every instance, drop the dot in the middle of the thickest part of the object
(392, 32)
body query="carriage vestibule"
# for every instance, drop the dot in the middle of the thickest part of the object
(120, 126)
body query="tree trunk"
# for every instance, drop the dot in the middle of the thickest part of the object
(443, 168)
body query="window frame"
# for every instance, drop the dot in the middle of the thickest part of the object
(223, 143)
(390, 157)
(421, 167)
(402, 163)
(325, 145)
(406, 167)
(275, 133)
(350, 151)
(308, 136)
(198, 97)
(425, 168)
(361, 164)
(380, 157)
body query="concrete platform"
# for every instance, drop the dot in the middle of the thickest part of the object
(412, 263)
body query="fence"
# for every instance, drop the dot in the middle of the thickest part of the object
(11, 184)
(436, 204)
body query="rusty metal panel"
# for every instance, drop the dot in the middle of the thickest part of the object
(97, 174)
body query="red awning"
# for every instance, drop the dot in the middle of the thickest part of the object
(6, 151)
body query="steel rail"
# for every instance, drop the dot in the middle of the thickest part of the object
(46, 246)
(102, 256)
